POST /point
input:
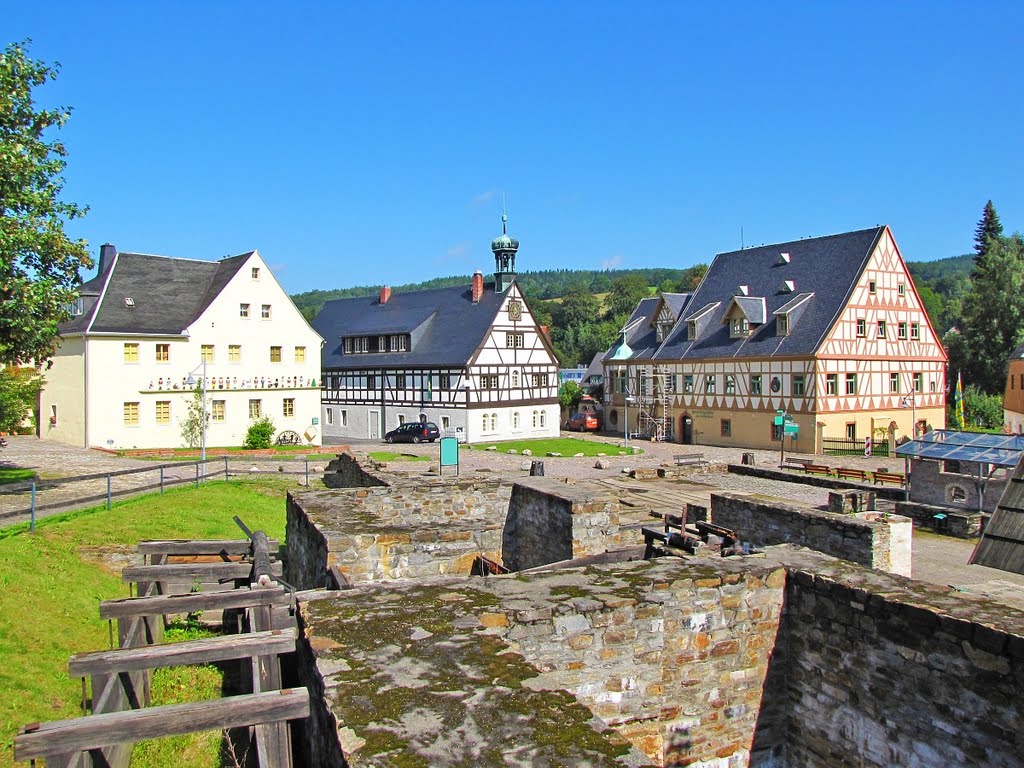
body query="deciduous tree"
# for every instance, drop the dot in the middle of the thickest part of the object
(39, 262)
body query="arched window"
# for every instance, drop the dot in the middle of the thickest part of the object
(543, 419)
(484, 427)
(515, 379)
(515, 420)
(494, 422)
(534, 419)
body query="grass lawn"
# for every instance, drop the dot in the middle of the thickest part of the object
(15, 474)
(192, 454)
(567, 446)
(51, 584)
(392, 456)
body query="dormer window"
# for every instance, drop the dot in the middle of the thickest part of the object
(691, 329)
(782, 325)
(739, 327)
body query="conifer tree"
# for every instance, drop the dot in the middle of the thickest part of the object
(989, 230)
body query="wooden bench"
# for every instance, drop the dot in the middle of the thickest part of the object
(890, 477)
(690, 460)
(817, 469)
(795, 462)
(845, 473)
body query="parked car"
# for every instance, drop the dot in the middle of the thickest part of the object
(413, 432)
(582, 422)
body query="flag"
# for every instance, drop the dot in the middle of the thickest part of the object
(958, 404)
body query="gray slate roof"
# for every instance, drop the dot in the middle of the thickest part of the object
(1002, 542)
(449, 325)
(168, 294)
(827, 266)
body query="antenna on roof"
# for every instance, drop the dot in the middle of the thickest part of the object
(741, 238)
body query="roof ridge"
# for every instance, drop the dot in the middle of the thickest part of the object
(804, 240)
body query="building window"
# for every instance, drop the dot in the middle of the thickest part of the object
(399, 381)
(243, 310)
(730, 384)
(709, 384)
(485, 421)
(534, 419)
(851, 431)
(515, 379)
(329, 416)
(799, 385)
(382, 343)
(540, 379)
(726, 427)
(445, 422)
(901, 331)
(902, 289)
(894, 383)
(862, 327)
(275, 354)
(288, 408)
(163, 353)
(739, 327)
(489, 381)
(915, 331)
(755, 384)
(918, 382)
(399, 343)
(514, 340)
(206, 353)
(851, 383)
(300, 354)
(163, 411)
(255, 409)
(691, 329)
(219, 407)
(688, 383)
(515, 420)
(131, 414)
(831, 383)
(346, 346)
(881, 329)
(871, 286)
(543, 419)
(344, 417)
(782, 324)
(131, 353)
(265, 311)
(446, 381)
(371, 381)
(255, 273)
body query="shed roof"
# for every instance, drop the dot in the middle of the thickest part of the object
(1002, 542)
(978, 447)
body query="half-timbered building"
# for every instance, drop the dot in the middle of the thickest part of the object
(829, 330)
(472, 359)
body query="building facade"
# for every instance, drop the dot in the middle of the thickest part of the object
(146, 324)
(828, 330)
(471, 359)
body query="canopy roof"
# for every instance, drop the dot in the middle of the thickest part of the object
(940, 444)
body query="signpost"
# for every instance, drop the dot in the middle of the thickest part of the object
(789, 427)
(449, 454)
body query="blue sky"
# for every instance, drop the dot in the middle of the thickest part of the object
(364, 143)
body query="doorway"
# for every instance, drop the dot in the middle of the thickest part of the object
(686, 429)
(373, 424)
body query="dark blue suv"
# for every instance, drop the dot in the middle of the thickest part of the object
(413, 432)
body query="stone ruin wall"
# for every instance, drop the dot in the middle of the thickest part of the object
(929, 484)
(870, 539)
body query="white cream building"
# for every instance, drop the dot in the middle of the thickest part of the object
(145, 324)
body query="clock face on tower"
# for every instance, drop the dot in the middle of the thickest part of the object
(515, 310)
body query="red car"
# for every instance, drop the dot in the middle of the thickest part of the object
(583, 422)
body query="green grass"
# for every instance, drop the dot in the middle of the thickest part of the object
(567, 446)
(15, 474)
(51, 584)
(392, 456)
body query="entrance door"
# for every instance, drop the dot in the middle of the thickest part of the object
(687, 429)
(373, 424)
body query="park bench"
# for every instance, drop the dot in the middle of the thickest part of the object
(795, 462)
(890, 477)
(845, 473)
(690, 460)
(817, 469)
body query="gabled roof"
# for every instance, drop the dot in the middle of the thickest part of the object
(702, 311)
(141, 293)
(752, 308)
(827, 266)
(676, 302)
(449, 325)
(792, 304)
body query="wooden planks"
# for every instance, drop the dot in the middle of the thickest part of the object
(184, 547)
(203, 651)
(191, 571)
(192, 602)
(61, 737)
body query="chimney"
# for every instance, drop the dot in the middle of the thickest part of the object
(478, 286)
(107, 254)
(385, 294)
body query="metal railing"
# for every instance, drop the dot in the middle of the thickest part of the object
(845, 446)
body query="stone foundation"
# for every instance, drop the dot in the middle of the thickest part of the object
(958, 522)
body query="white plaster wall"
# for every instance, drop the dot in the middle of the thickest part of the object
(63, 388)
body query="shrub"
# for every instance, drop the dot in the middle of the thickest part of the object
(260, 434)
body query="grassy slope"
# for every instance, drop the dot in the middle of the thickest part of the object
(51, 584)
(567, 446)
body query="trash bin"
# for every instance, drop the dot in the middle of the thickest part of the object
(537, 469)
(748, 459)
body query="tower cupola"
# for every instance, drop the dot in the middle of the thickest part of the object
(504, 248)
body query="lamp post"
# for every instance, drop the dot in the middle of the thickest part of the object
(625, 410)
(910, 401)
(191, 382)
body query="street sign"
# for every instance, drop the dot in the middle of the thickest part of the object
(791, 429)
(778, 421)
(867, 447)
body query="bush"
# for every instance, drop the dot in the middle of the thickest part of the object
(260, 434)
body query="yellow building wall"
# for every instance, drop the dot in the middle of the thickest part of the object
(63, 394)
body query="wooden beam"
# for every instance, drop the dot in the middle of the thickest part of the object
(201, 651)
(200, 546)
(96, 731)
(191, 571)
(161, 605)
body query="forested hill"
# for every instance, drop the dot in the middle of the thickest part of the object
(933, 271)
(544, 284)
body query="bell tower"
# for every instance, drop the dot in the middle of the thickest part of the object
(504, 249)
